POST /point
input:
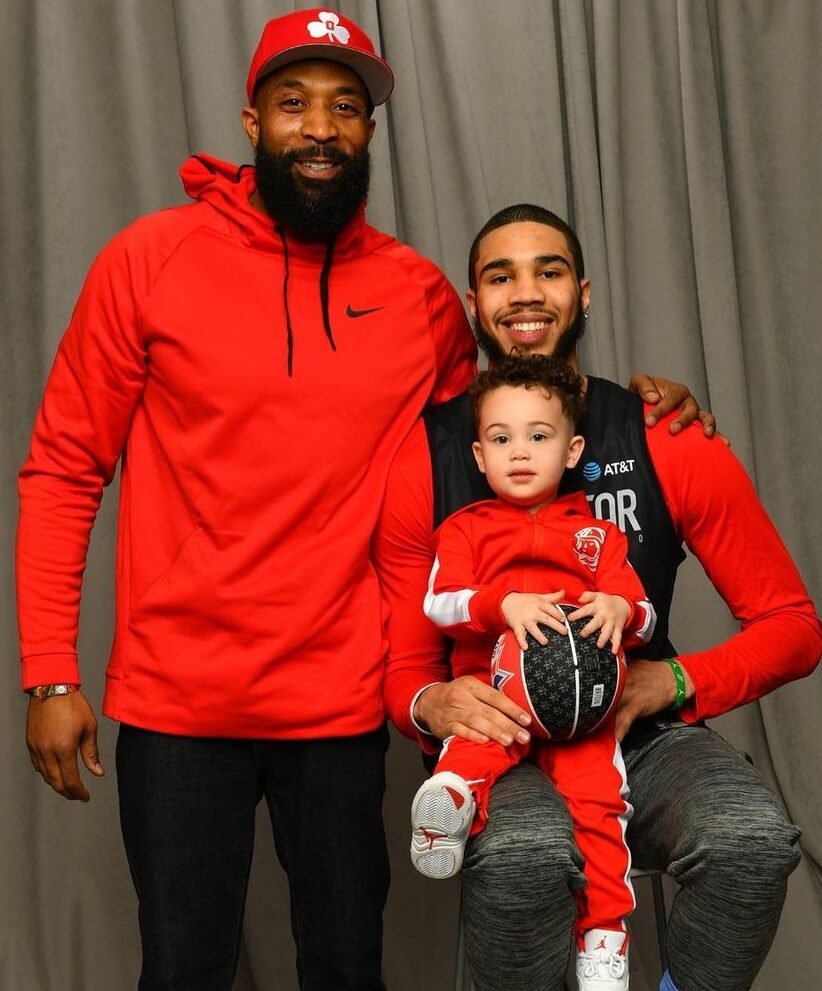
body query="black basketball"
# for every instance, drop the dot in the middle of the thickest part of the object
(568, 685)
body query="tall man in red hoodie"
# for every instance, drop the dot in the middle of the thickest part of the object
(220, 350)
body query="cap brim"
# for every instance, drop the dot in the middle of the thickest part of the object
(374, 72)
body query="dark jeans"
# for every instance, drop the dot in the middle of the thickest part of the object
(187, 809)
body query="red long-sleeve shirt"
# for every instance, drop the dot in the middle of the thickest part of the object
(715, 511)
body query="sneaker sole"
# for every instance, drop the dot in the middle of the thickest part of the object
(439, 826)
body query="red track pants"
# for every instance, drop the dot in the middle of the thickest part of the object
(590, 776)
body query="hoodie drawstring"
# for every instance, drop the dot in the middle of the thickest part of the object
(289, 334)
(324, 278)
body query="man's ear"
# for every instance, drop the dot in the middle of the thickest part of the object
(251, 124)
(585, 294)
(471, 300)
(476, 447)
(575, 451)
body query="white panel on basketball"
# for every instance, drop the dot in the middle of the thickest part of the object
(573, 646)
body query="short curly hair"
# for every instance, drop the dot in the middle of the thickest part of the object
(532, 371)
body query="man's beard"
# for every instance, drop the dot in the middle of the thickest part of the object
(313, 209)
(563, 349)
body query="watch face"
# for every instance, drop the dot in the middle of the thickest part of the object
(49, 691)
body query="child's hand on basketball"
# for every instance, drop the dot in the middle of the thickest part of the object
(524, 610)
(609, 614)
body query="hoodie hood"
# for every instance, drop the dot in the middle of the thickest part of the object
(228, 189)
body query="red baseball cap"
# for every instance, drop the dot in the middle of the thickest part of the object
(323, 34)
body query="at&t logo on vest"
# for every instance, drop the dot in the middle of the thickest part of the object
(592, 471)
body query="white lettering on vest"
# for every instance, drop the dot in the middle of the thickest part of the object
(619, 510)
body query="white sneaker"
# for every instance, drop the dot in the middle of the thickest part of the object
(603, 964)
(441, 817)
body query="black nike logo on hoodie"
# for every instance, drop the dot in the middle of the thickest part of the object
(351, 312)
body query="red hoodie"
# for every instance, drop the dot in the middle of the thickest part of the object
(257, 388)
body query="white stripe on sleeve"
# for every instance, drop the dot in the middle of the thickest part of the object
(446, 608)
(646, 631)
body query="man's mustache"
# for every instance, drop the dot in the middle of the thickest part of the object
(329, 153)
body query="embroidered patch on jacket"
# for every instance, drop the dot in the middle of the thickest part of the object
(588, 545)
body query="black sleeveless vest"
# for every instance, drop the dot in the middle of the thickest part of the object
(615, 473)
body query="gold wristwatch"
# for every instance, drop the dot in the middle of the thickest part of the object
(49, 691)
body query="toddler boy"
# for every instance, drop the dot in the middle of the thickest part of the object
(508, 562)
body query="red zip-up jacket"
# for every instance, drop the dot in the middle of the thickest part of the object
(256, 388)
(493, 547)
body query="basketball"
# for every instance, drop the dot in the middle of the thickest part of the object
(568, 685)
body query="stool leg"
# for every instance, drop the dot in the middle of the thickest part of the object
(459, 963)
(661, 919)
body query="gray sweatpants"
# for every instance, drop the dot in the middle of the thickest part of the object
(701, 812)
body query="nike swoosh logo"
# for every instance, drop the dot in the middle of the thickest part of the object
(361, 313)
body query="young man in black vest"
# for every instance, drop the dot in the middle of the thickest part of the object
(702, 813)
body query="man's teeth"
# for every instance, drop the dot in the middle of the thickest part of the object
(319, 166)
(530, 327)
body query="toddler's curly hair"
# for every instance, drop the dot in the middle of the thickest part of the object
(532, 371)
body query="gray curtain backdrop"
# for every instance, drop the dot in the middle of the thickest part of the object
(682, 138)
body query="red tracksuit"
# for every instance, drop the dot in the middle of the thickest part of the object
(486, 551)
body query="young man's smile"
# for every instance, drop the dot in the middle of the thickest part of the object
(527, 293)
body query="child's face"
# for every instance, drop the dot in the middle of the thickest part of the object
(525, 444)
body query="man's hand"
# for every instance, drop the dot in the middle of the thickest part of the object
(55, 729)
(475, 711)
(609, 614)
(650, 687)
(523, 610)
(665, 397)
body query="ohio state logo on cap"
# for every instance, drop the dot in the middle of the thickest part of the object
(320, 34)
(329, 23)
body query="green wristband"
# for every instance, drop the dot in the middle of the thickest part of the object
(679, 675)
